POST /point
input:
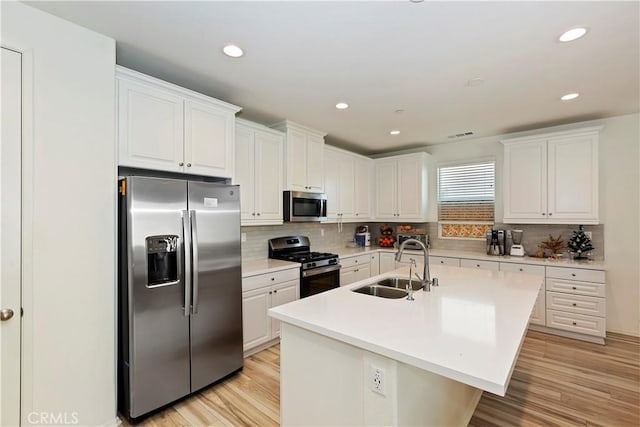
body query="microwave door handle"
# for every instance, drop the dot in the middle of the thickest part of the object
(194, 261)
(186, 258)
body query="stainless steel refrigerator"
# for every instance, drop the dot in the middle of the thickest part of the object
(180, 300)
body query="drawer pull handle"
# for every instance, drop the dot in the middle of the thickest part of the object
(574, 288)
(574, 304)
(441, 262)
(521, 269)
(573, 274)
(477, 265)
(574, 323)
(273, 278)
(275, 292)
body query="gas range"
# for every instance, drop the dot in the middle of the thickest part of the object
(319, 271)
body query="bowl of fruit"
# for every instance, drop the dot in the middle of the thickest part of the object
(386, 240)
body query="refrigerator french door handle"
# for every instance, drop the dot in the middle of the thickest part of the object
(186, 256)
(194, 261)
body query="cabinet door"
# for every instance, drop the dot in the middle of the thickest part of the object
(268, 185)
(538, 314)
(347, 186)
(363, 271)
(572, 175)
(283, 293)
(256, 325)
(331, 183)
(314, 162)
(209, 131)
(410, 200)
(296, 160)
(387, 262)
(483, 265)
(525, 181)
(374, 265)
(362, 188)
(348, 275)
(245, 172)
(150, 127)
(386, 186)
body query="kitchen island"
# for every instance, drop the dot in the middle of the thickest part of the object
(354, 359)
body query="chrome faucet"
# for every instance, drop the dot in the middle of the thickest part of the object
(426, 277)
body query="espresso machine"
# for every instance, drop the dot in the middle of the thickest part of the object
(497, 242)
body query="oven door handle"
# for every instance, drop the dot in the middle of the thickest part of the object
(321, 270)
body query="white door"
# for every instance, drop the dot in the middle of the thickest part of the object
(244, 173)
(297, 161)
(10, 238)
(256, 327)
(332, 183)
(362, 188)
(150, 127)
(347, 185)
(525, 182)
(208, 139)
(386, 188)
(283, 294)
(409, 188)
(315, 156)
(268, 185)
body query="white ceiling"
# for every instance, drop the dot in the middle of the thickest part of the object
(303, 57)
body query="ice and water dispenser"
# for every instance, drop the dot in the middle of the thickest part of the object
(162, 260)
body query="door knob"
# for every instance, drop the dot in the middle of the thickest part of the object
(6, 314)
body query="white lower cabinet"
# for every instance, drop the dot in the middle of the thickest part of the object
(538, 313)
(354, 269)
(260, 293)
(441, 260)
(576, 301)
(387, 262)
(374, 260)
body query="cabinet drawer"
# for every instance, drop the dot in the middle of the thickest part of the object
(574, 322)
(576, 274)
(485, 265)
(262, 280)
(522, 268)
(577, 288)
(355, 260)
(441, 260)
(581, 304)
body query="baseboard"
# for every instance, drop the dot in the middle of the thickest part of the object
(258, 349)
(567, 334)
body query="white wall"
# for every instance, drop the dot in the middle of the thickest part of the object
(619, 201)
(69, 197)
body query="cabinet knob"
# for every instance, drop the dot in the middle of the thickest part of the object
(521, 269)
(270, 292)
(574, 323)
(543, 214)
(181, 164)
(258, 214)
(253, 214)
(477, 265)
(573, 287)
(550, 214)
(357, 214)
(574, 304)
(573, 275)
(441, 262)
(356, 261)
(188, 165)
(273, 278)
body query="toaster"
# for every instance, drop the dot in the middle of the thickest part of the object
(420, 237)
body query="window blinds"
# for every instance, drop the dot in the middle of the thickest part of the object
(466, 192)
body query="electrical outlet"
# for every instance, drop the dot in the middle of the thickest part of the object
(588, 234)
(243, 237)
(377, 380)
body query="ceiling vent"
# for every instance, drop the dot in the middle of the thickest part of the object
(460, 135)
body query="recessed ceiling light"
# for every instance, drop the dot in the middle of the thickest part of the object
(569, 96)
(572, 34)
(342, 105)
(394, 132)
(233, 51)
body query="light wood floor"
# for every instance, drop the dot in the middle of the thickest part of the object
(556, 382)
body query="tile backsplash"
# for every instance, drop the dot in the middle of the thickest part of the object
(326, 236)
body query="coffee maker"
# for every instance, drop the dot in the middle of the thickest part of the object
(496, 242)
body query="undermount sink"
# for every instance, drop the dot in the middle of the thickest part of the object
(381, 291)
(399, 283)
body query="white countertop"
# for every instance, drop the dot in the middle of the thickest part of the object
(592, 265)
(264, 266)
(469, 328)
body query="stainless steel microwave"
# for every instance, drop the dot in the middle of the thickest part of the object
(300, 206)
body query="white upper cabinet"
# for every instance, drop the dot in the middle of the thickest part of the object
(401, 187)
(165, 127)
(347, 183)
(304, 153)
(552, 178)
(259, 157)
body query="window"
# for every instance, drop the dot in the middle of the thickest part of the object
(466, 198)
